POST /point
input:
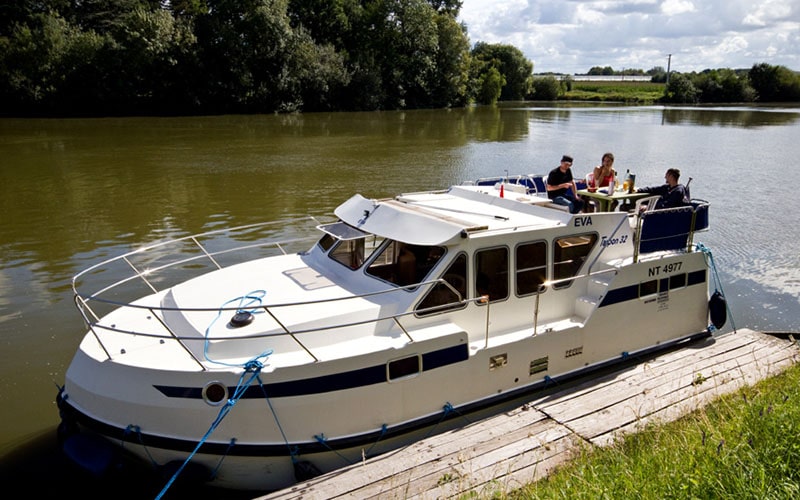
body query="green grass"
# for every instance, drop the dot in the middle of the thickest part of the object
(744, 445)
(632, 92)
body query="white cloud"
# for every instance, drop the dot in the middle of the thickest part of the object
(674, 7)
(571, 36)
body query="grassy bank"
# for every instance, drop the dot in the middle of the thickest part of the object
(744, 445)
(632, 92)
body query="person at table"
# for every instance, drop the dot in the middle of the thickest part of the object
(604, 173)
(602, 176)
(672, 193)
(561, 186)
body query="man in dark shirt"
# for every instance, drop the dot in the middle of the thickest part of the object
(561, 186)
(672, 194)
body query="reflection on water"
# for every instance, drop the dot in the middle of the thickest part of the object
(731, 117)
(74, 192)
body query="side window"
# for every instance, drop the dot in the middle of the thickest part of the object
(404, 264)
(531, 262)
(569, 254)
(652, 287)
(647, 288)
(326, 242)
(404, 368)
(349, 252)
(354, 252)
(441, 297)
(491, 273)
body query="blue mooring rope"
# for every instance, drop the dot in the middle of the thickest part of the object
(251, 300)
(252, 366)
(717, 282)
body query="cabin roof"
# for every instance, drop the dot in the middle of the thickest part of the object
(439, 217)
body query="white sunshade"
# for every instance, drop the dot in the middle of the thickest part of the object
(391, 220)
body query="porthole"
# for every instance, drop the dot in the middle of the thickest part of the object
(215, 393)
(405, 367)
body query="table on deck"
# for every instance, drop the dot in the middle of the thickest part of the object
(604, 200)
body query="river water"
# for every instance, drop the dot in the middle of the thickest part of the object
(76, 191)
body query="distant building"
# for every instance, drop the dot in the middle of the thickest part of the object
(611, 78)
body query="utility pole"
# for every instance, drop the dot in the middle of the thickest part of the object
(669, 62)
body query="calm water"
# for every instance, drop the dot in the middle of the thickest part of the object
(77, 191)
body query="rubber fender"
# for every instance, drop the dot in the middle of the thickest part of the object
(717, 310)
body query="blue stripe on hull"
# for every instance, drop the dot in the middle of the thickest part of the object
(336, 382)
(631, 292)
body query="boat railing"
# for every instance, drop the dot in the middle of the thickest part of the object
(127, 277)
(124, 280)
(271, 310)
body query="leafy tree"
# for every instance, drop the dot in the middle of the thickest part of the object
(774, 83)
(680, 90)
(326, 21)
(723, 85)
(490, 85)
(657, 74)
(317, 74)
(412, 42)
(450, 81)
(546, 88)
(245, 46)
(45, 58)
(511, 63)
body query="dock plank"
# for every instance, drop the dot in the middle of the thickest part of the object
(523, 444)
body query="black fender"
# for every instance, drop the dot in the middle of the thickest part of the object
(718, 310)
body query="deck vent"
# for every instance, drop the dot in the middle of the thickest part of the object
(498, 361)
(538, 365)
(241, 318)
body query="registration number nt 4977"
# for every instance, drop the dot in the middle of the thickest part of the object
(670, 268)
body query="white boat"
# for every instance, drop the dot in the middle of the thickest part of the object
(257, 365)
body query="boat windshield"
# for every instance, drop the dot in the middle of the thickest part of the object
(348, 245)
(404, 264)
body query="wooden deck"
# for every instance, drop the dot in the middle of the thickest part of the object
(506, 451)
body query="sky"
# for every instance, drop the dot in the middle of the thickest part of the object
(572, 36)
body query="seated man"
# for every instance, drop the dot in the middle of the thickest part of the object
(561, 186)
(672, 194)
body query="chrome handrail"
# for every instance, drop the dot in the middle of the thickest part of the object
(178, 257)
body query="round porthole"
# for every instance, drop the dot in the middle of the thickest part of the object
(215, 393)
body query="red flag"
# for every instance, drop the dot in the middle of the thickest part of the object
(501, 191)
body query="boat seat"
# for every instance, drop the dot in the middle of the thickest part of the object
(646, 204)
(700, 215)
(665, 229)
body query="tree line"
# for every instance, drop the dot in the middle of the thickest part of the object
(129, 57)
(246, 56)
(761, 83)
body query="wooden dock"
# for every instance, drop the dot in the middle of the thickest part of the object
(506, 451)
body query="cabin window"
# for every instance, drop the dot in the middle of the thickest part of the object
(652, 287)
(443, 297)
(349, 252)
(531, 262)
(405, 367)
(677, 281)
(648, 288)
(326, 242)
(569, 254)
(351, 246)
(404, 264)
(491, 273)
